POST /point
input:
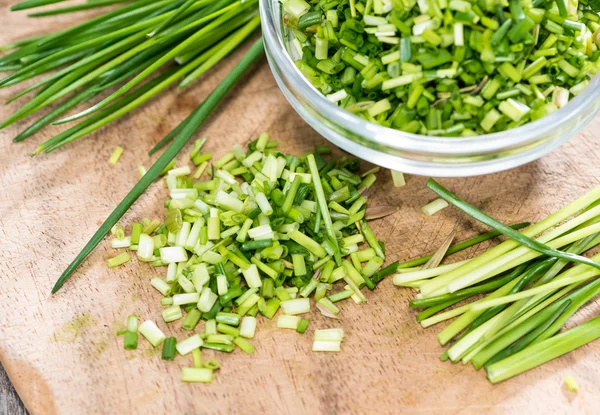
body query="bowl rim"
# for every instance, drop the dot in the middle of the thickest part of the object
(402, 141)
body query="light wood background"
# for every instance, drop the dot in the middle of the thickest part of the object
(61, 351)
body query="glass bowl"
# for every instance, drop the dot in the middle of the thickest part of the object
(413, 153)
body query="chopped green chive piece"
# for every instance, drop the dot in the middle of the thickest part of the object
(288, 322)
(571, 383)
(115, 156)
(120, 259)
(203, 375)
(187, 345)
(152, 333)
(328, 340)
(296, 306)
(434, 207)
(212, 364)
(130, 340)
(302, 326)
(168, 351)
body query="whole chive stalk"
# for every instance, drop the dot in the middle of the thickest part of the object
(461, 246)
(506, 230)
(109, 49)
(179, 142)
(467, 292)
(525, 341)
(544, 351)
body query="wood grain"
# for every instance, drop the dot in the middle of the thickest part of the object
(61, 351)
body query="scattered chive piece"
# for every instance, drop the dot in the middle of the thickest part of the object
(398, 178)
(168, 351)
(186, 346)
(212, 364)
(197, 356)
(329, 334)
(152, 333)
(116, 155)
(326, 346)
(328, 340)
(120, 259)
(288, 322)
(244, 345)
(571, 383)
(195, 374)
(434, 207)
(302, 326)
(130, 340)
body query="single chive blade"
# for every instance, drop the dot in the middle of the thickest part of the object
(461, 246)
(506, 230)
(207, 106)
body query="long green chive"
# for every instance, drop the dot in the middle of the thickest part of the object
(460, 246)
(506, 230)
(321, 200)
(525, 341)
(109, 49)
(544, 351)
(200, 114)
(506, 339)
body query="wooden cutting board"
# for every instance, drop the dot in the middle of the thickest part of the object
(61, 351)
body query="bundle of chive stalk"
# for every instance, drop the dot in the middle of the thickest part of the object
(131, 47)
(447, 67)
(531, 290)
(266, 232)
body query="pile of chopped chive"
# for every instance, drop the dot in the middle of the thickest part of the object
(266, 231)
(446, 67)
(531, 290)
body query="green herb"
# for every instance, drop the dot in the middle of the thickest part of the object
(457, 69)
(168, 351)
(256, 240)
(544, 351)
(124, 47)
(199, 115)
(506, 230)
(460, 246)
(529, 293)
